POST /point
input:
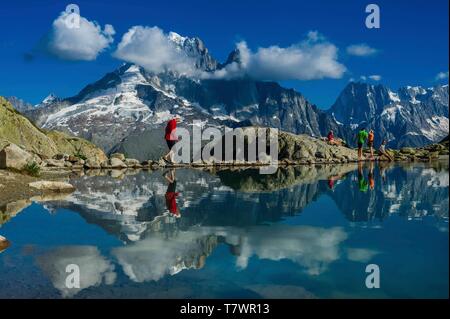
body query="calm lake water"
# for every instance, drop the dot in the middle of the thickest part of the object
(306, 232)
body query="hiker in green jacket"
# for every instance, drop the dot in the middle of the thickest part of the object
(361, 138)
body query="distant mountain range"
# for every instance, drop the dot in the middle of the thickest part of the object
(127, 109)
(412, 116)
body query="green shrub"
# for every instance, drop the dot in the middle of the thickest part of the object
(79, 154)
(33, 169)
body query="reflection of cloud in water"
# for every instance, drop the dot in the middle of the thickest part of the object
(362, 255)
(94, 268)
(311, 247)
(281, 292)
(155, 256)
(436, 179)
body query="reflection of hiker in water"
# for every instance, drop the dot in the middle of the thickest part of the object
(383, 172)
(371, 177)
(333, 179)
(171, 194)
(4, 243)
(362, 183)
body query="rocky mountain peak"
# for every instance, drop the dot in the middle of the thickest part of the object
(359, 101)
(50, 99)
(196, 49)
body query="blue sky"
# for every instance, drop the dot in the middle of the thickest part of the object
(411, 45)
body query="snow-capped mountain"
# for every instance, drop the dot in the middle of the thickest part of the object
(126, 110)
(49, 100)
(412, 116)
(196, 49)
(133, 102)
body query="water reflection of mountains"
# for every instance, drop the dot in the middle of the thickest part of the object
(135, 204)
(232, 208)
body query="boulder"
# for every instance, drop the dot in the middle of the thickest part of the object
(54, 163)
(105, 164)
(146, 163)
(68, 164)
(119, 156)
(60, 156)
(12, 156)
(131, 162)
(73, 159)
(407, 150)
(92, 164)
(117, 163)
(52, 186)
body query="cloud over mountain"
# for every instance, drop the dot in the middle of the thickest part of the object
(151, 48)
(375, 77)
(309, 60)
(361, 49)
(313, 58)
(441, 76)
(78, 43)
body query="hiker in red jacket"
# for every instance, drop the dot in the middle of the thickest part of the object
(171, 138)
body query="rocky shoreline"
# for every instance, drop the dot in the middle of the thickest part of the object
(14, 158)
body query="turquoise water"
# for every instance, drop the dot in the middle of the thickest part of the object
(306, 232)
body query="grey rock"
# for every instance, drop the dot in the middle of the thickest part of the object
(117, 163)
(119, 156)
(92, 164)
(12, 156)
(131, 162)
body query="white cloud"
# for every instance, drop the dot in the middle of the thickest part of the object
(83, 43)
(442, 76)
(361, 49)
(311, 59)
(150, 48)
(375, 77)
(363, 77)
